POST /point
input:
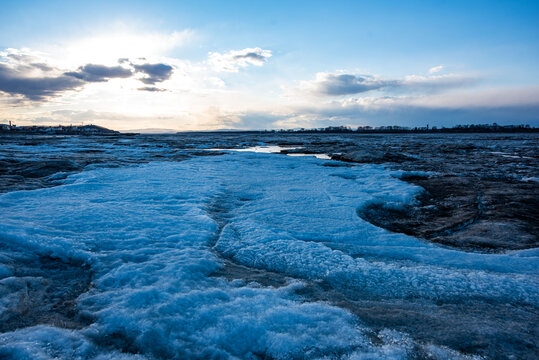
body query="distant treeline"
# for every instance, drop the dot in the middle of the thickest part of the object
(57, 130)
(482, 128)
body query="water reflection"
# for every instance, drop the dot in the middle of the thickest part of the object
(276, 149)
(318, 156)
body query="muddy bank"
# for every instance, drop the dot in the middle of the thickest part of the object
(466, 212)
(481, 190)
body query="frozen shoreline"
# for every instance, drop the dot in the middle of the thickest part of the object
(480, 189)
(178, 255)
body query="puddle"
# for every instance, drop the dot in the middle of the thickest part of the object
(318, 156)
(276, 149)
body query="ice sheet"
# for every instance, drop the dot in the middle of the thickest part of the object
(153, 236)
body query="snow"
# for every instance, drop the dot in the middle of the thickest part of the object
(153, 237)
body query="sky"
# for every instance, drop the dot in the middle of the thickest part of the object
(207, 65)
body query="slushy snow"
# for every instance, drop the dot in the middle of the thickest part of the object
(153, 237)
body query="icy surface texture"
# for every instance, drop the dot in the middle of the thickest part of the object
(153, 237)
(480, 190)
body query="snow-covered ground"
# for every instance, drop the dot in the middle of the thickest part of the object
(151, 244)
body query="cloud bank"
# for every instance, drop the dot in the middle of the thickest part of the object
(179, 94)
(32, 78)
(15, 81)
(344, 84)
(330, 84)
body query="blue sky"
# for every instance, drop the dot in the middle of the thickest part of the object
(280, 64)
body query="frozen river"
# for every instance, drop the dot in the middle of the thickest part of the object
(135, 249)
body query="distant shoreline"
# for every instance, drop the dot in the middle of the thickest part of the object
(57, 130)
(494, 128)
(99, 130)
(458, 129)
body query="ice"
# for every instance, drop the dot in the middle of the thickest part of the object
(46, 342)
(153, 237)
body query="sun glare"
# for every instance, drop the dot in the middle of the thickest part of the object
(108, 48)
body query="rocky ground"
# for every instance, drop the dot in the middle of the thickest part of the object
(480, 195)
(481, 190)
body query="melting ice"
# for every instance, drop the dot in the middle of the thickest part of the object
(152, 238)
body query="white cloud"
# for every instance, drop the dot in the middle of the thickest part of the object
(486, 98)
(235, 59)
(436, 69)
(437, 82)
